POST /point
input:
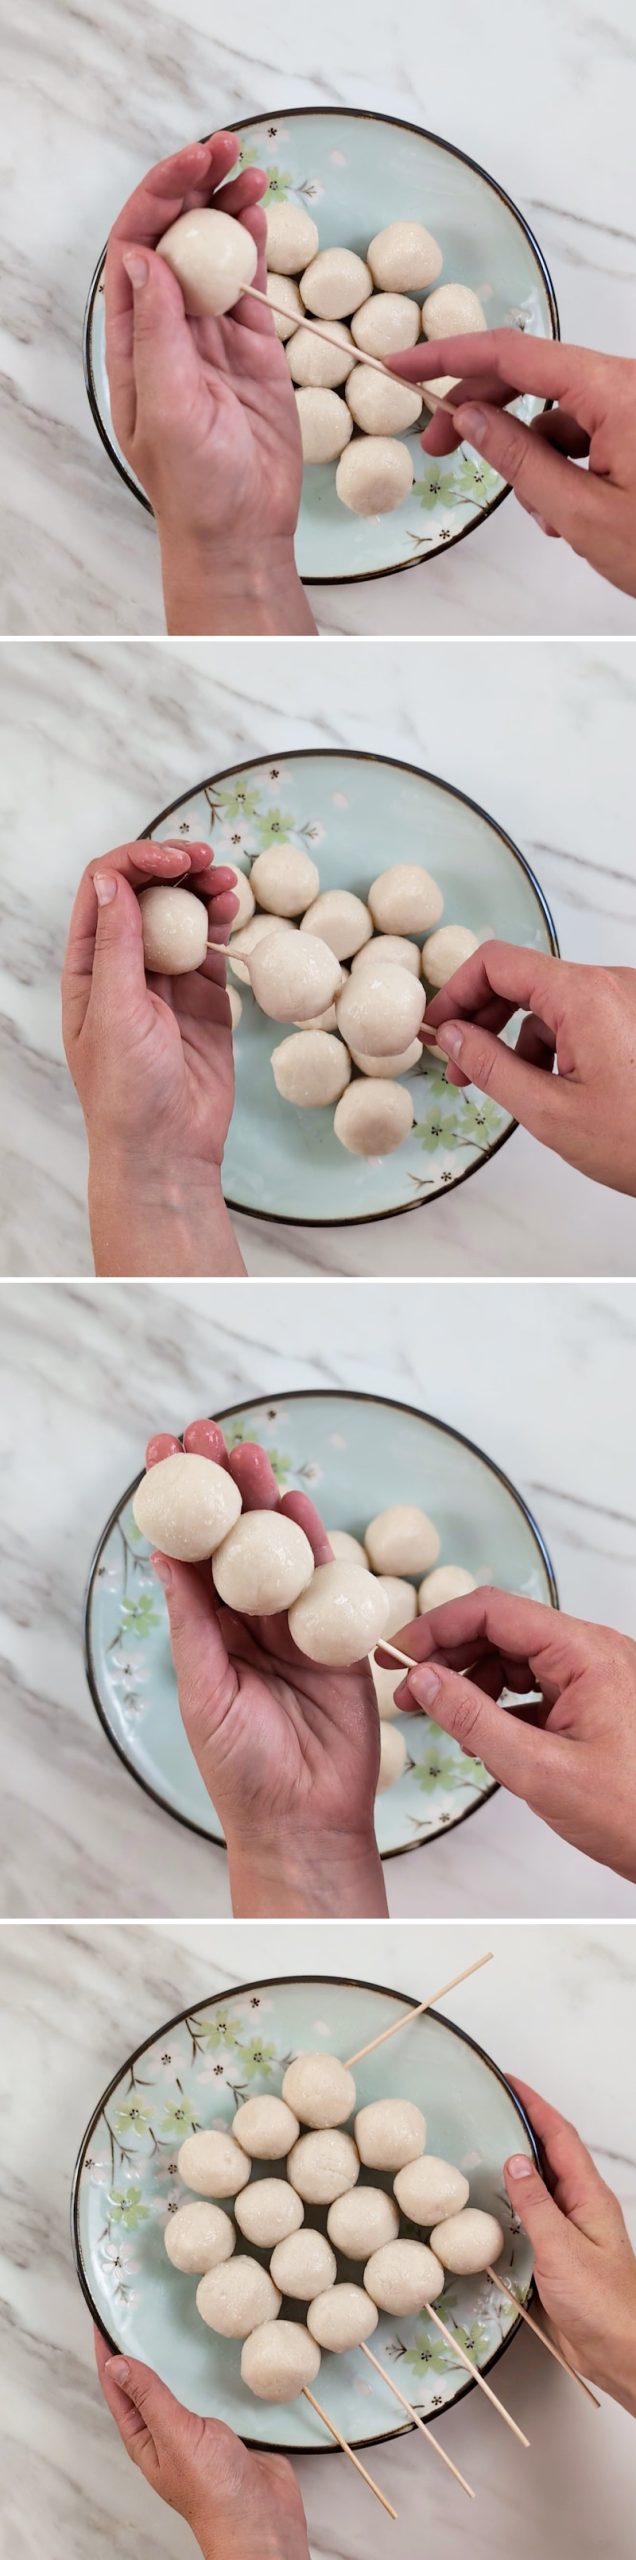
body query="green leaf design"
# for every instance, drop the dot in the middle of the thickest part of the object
(131, 2116)
(431, 487)
(178, 2118)
(220, 2031)
(443, 1765)
(239, 802)
(139, 1616)
(259, 2058)
(274, 826)
(127, 2209)
(279, 184)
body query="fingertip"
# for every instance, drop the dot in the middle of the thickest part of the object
(204, 1439)
(253, 1473)
(162, 1445)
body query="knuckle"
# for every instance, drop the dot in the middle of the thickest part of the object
(467, 1720)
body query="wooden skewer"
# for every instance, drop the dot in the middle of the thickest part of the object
(478, 2377)
(539, 2333)
(347, 2448)
(358, 352)
(417, 2421)
(409, 2014)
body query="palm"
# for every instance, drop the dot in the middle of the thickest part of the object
(244, 418)
(190, 1061)
(297, 1736)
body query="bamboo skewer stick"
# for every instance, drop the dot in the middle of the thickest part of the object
(414, 2415)
(347, 2448)
(541, 2335)
(318, 331)
(473, 2369)
(409, 2014)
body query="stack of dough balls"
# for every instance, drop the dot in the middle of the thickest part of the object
(400, 1549)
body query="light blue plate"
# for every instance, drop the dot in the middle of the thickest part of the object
(358, 815)
(355, 172)
(192, 2073)
(354, 1454)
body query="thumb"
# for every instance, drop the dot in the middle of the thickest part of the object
(546, 2226)
(205, 1680)
(517, 1754)
(568, 500)
(118, 981)
(165, 357)
(142, 2406)
(533, 1095)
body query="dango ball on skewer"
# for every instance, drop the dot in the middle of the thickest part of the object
(385, 1684)
(381, 408)
(362, 2221)
(404, 258)
(284, 879)
(284, 290)
(452, 311)
(393, 1757)
(267, 2211)
(342, 2318)
(402, 1540)
(311, 1068)
(242, 890)
(293, 980)
(467, 2242)
(446, 951)
(402, 1062)
(320, 2089)
(199, 2236)
(341, 1615)
(340, 919)
(403, 2277)
(447, 1582)
(373, 1117)
(236, 1006)
(405, 899)
(175, 930)
(325, 424)
(292, 239)
(386, 324)
(401, 1600)
(247, 938)
(213, 258)
(389, 2132)
(186, 1506)
(235, 2298)
(384, 950)
(335, 284)
(279, 2360)
(265, 2128)
(264, 1564)
(212, 2163)
(323, 2165)
(374, 475)
(303, 2265)
(318, 365)
(347, 1550)
(380, 1011)
(428, 2190)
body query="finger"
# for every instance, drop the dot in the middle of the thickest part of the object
(558, 427)
(243, 191)
(119, 979)
(530, 981)
(536, 1044)
(149, 2410)
(538, 2212)
(574, 503)
(514, 358)
(297, 1506)
(205, 1681)
(523, 1629)
(165, 356)
(252, 1472)
(538, 1100)
(163, 1445)
(205, 1440)
(518, 1755)
(138, 863)
(162, 192)
(578, 2187)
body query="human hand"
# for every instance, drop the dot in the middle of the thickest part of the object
(204, 410)
(288, 1750)
(572, 1754)
(235, 2502)
(581, 1019)
(151, 1059)
(584, 2264)
(593, 420)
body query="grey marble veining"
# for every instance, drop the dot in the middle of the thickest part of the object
(96, 739)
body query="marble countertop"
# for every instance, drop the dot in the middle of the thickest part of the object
(73, 2004)
(543, 1379)
(541, 97)
(95, 740)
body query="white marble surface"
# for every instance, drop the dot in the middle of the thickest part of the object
(94, 741)
(543, 97)
(543, 1379)
(73, 2004)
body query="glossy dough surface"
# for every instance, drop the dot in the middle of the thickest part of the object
(175, 930)
(323, 2165)
(340, 1616)
(186, 1505)
(320, 2089)
(374, 1117)
(213, 258)
(389, 2132)
(263, 1565)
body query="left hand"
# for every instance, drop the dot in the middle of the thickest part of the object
(151, 1057)
(239, 2505)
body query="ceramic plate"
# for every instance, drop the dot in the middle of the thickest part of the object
(358, 815)
(355, 172)
(354, 1454)
(193, 2073)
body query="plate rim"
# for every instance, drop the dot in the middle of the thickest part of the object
(353, 1395)
(341, 1981)
(365, 115)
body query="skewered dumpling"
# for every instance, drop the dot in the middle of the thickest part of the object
(186, 1505)
(199, 2236)
(279, 2359)
(341, 1614)
(292, 238)
(323, 2165)
(335, 284)
(389, 2132)
(303, 2265)
(175, 928)
(468, 2242)
(265, 2128)
(325, 423)
(374, 475)
(235, 2298)
(429, 2189)
(373, 1117)
(402, 1540)
(342, 2318)
(267, 2211)
(404, 258)
(362, 2221)
(213, 2163)
(403, 2277)
(320, 2089)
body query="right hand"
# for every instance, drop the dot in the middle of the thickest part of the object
(240, 2505)
(582, 1019)
(584, 2264)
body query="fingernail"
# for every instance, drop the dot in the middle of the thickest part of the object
(137, 268)
(424, 1685)
(119, 2368)
(105, 887)
(162, 1569)
(471, 423)
(451, 1038)
(519, 2166)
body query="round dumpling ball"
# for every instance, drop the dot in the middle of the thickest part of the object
(380, 1011)
(296, 980)
(347, 1550)
(385, 1684)
(440, 389)
(186, 1505)
(401, 1599)
(175, 930)
(284, 879)
(468, 2242)
(326, 1021)
(446, 951)
(213, 2163)
(325, 424)
(393, 1757)
(403, 2277)
(405, 899)
(246, 940)
(234, 2299)
(374, 1117)
(342, 2318)
(340, 919)
(303, 2265)
(311, 1068)
(263, 1565)
(316, 363)
(199, 2236)
(385, 324)
(404, 258)
(340, 1615)
(400, 1062)
(323, 2165)
(284, 291)
(381, 407)
(279, 2359)
(320, 2089)
(245, 894)
(363, 2221)
(452, 311)
(402, 1540)
(267, 2211)
(389, 2132)
(428, 2190)
(384, 951)
(212, 257)
(335, 284)
(292, 238)
(448, 1582)
(374, 475)
(235, 1002)
(265, 2128)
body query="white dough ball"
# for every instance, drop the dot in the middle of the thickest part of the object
(374, 475)
(284, 879)
(403, 2277)
(245, 895)
(342, 2318)
(401, 1599)
(402, 1540)
(212, 2163)
(265, 2128)
(282, 289)
(320, 2089)
(303, 2265)
(186, 1505)
(405, 899)
(317, 365)
(325, 424)
(445, 952)
(278, 2360)
(381, 407)
(293, 981)
(374, 1117)
(175, 930)
(404, 258)
(384, 951)
(326, 1021)
(468, 2242)
(267, 2211)
(448, 1582)
(380, 1011)
(213, 258)
(323, 2165)
(335, 284)
(363, 2221)
(347, 1550)
(311, 1068)
(235, 1002)
(428, 2190)
(263, 1565)
(452, 311)
(341, 1614)
(292, 238)
(389, 2132)
(393, 1757)
(199, 2236)
(440, 389)
(400, 1062)
(385, 1684)
(234, 2299)
(246, 940)
(340, 919)
(386, 324)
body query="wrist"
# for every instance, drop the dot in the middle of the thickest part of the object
(312, 1874)
(154, 1220)
(211, 587)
